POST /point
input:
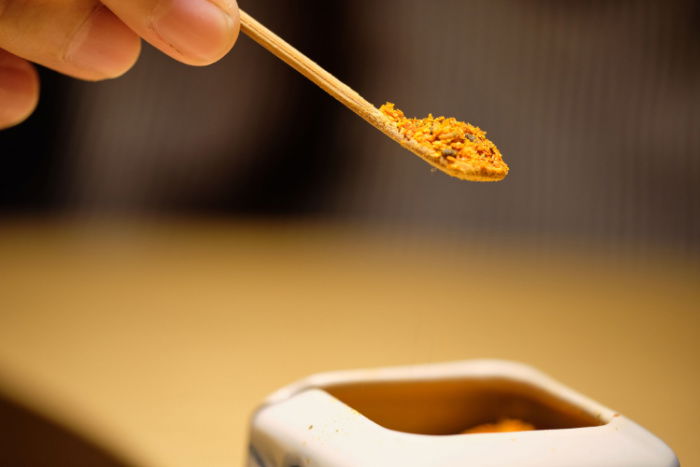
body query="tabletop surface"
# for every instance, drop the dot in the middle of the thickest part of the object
(156, 341)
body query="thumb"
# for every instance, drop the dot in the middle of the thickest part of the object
(19, 89)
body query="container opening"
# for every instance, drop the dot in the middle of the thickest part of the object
(448, 407)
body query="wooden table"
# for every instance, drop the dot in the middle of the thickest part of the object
(157, 340)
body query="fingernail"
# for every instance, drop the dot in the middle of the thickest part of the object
(18, 94)
(196, 29)
(103, 46)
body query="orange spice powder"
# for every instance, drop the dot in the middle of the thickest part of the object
(452, 143)
(504, 425)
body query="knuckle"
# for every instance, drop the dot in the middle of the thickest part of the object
(101, 47)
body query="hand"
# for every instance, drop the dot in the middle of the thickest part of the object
(95, 40)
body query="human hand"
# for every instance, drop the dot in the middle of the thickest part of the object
(100, 39)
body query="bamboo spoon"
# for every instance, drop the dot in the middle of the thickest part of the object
(460, 168)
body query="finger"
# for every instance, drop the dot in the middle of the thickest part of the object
(19, 89)
(196, 32)
(81, 38)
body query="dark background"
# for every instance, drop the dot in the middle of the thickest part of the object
(594, 104)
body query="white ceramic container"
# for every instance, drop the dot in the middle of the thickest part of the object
(412, 416)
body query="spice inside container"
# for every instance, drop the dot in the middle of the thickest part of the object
(453, 406)
(504, 425)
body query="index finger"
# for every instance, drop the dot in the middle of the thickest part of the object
(196, 32)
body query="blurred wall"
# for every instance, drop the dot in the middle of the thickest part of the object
(594, 104)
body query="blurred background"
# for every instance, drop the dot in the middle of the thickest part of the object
(175, 194)
(594, 105)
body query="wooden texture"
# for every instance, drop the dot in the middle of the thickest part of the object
(354, 101)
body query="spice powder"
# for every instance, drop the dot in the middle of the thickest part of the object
(457, 146)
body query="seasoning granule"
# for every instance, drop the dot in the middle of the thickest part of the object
(451, 143)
